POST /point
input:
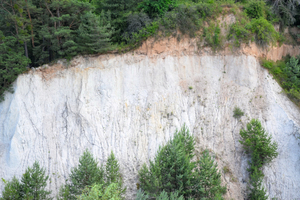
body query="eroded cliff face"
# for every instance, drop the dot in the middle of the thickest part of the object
(132, 103)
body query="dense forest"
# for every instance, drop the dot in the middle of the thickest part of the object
(177, 172)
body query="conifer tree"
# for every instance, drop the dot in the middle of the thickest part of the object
(112, 173)
(12, 190)
(34, 182)
(12, 62)
(85, 174)
(92, 37)
(174, 171)
(262, 150)
(208, 180)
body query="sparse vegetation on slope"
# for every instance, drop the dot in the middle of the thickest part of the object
(258, 144)
(287, 73)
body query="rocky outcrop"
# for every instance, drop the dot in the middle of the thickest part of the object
(133, 103)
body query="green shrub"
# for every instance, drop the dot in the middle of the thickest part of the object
(267, 64)
(237, 112)
(240, 32)
(156, 8)
(264, 31)
(101, 192)
(255, 9)
(212, 36)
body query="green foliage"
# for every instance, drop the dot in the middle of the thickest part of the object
(212, 36)
(240, 32)
(34, 182)
(156, 8)
(258, 144)
(256, 190)
(255, 9)
(262, 150)
(88, 179)
(85, 174)
(112, 173)
(177, 173)
(264, 31)
(12, 62)
(93, 37)
(32, 185)
(100, 192)
(119, 11)
(208, 182)
(267, 64)
(173, 196)
(260, 28)
(287, 73)
(237, 112)
(285, 10)
(140, 195)
(12, 190)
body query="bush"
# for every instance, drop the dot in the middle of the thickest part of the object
(255, 9)
(237, 112)
(136, 22)
(212, 36)
(100, 192)
(240, 32)
(156, 8)
(267, 64)
(264, 31)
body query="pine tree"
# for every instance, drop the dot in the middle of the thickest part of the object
(174, 171)
(256, 189)
(258, 144)
(85, 174)
(12, 190)
(34, 182)
(12, 62)
(112, 172)
(262, 150)
(208, 181)
(92, 37)
(119, 11)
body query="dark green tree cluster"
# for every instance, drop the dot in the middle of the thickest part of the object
(89, 178)
(34, 32)
(87, 181)
(172, 172)
(32, 185)
(262, 150)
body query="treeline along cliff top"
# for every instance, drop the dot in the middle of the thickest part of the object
(35, 32)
